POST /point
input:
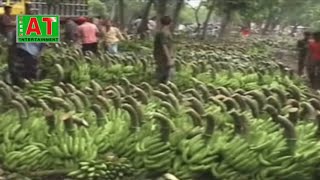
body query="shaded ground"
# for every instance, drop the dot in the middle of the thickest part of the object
(287, 57)
(290, 59)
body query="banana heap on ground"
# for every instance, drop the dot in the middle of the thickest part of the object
(217, 120)
(211, 130)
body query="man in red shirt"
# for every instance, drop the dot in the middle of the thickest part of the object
(245, 32)
(313, 61)
(88, 34)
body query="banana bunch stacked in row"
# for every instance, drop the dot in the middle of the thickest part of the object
(39, 89)
(99, 72)
(13, 138)
(80, 76)
(71, 149)
(156, 153)
(109, 170)
(31, 157)
(293, 162)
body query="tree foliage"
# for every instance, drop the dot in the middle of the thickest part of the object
(269, 12)
(97, 8)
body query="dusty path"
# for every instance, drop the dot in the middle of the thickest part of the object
(288, 58)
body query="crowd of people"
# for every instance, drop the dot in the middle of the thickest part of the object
(23, 58)
(89, 32)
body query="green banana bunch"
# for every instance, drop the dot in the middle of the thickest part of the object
(8, 118)
(81, 146)
(306, 153)
(157, 154)
(101, 139)
(196, 154)
(39, 89)
(81, 75)
(237, 154)
(110, 170)
(278, 163)
(31, 157)
(180, 169)
(99, 72)
(13, 137)
(126, 148)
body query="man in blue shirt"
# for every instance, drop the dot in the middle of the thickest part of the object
(23, 60)
(24, 64)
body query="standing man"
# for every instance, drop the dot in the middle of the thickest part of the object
(25, 62)
(313, 61)
(88, 34)
(8, 24)
(71, 31)
(135, 25)
(163, 51)
(302, 47)
(8, 29)
(112, 36)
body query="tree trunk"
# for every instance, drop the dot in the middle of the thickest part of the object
(161, 10)
(274, 24)
(196, 16)
(121, 14)
(282, 28)
(113, 15)
(248, 24)
(267, 24)
(176, 14)
(225, 23)
(143, 26)
(205, 24)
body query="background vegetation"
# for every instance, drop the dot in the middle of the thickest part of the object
(268, 14)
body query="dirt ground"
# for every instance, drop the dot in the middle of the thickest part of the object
(288, 58)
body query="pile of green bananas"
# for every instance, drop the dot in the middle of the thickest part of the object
(223, 64)
(39, 89)
(109, 170)
(186, 141)
(227, 121)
